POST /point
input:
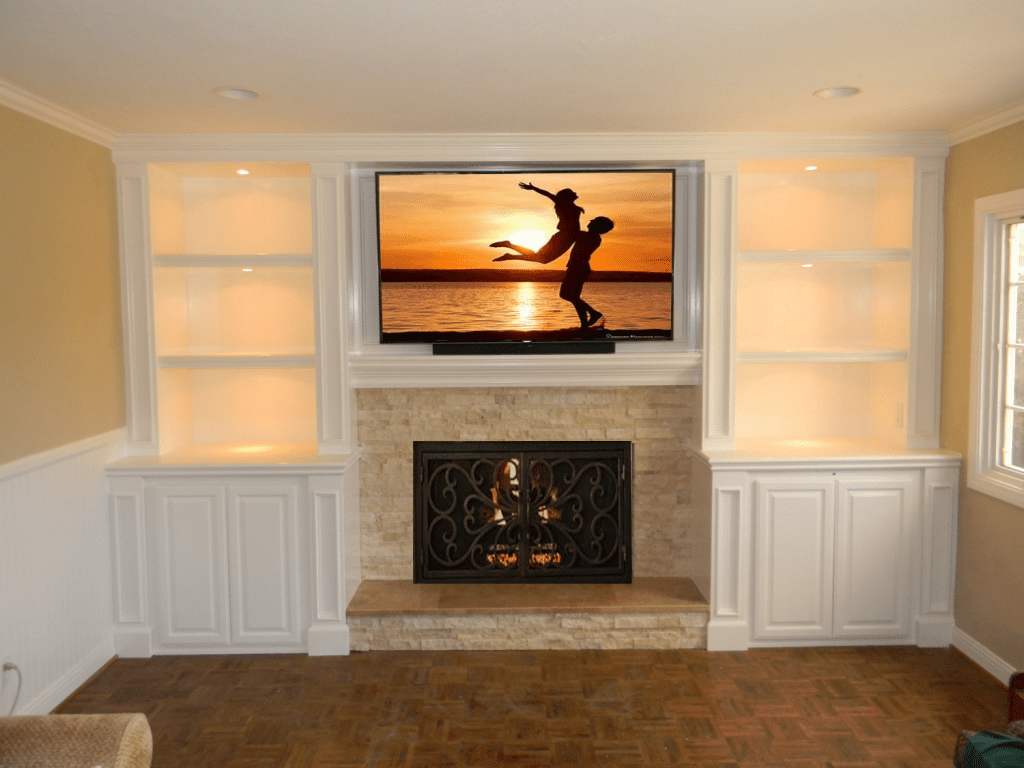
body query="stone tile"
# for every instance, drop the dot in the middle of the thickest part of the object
(656, 613)
(402, 415)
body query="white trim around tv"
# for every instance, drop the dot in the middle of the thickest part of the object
(675, 362)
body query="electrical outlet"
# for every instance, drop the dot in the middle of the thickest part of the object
(7, 693)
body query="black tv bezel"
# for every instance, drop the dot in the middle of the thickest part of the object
(593, 345)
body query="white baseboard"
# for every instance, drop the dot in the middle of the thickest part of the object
(328, 640)
(933, 632)
(728, 635)
(982, 656)
(63, 687)
(133, 642)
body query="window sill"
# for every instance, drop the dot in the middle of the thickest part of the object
(1000, 484)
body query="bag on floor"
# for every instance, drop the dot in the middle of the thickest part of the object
(988, 749)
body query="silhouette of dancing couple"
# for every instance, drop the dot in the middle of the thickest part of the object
(569, 235)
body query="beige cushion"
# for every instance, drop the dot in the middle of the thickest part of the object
(76, 741)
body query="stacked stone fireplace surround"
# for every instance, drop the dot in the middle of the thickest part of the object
(670, 542)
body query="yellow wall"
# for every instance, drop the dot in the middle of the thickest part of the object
(61, 369)
(990, 571)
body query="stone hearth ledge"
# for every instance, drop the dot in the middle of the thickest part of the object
(396, 597)
(650, 613)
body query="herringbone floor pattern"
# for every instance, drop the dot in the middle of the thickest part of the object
(801, 708)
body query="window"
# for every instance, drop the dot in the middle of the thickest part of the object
(995, 462)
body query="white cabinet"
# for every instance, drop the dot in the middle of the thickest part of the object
(833, 555)
(225, 560)
(187, 547)
(265, 574)
(235, 559)
(794, 562)
(876, 517)
(831, 508)
(833, 550)
(235, 524)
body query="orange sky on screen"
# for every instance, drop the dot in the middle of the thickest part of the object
(447, 221)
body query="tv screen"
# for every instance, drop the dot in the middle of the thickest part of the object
(525, 256)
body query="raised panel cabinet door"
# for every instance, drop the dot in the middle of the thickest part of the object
(793, 535)
(875, 516)
(263, 535)
(190, 580)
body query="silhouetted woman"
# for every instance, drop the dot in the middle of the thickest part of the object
(568, 227)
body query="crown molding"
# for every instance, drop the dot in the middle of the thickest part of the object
(28, 104)
(988, 125)
(497, 147)
(466, 147)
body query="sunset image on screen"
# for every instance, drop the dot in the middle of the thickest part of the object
(526, 255)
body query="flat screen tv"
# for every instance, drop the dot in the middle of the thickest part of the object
(529, 259)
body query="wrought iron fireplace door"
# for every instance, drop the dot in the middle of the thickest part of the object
(522, 511)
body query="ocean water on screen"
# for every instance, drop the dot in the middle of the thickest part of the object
(510, 306)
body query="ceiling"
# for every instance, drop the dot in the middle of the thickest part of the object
(517, 66)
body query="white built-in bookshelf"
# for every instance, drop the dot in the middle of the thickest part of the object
(823, 300)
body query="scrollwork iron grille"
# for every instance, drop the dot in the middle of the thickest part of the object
(517, 511)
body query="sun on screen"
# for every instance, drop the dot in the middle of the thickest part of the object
(530, 238)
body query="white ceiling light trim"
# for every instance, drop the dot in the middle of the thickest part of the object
(839, 92)
(237, 94)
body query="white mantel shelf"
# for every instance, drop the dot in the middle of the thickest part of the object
(376, 371)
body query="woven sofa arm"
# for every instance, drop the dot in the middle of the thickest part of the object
(76, 741)
(1016, 728)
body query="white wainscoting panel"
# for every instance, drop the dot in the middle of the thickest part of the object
(55, 576)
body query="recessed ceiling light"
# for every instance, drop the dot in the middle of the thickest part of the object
(811, 168)
(238, 94)
(242, 172)
(842, 92)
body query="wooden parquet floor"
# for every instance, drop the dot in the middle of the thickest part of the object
(802, 708)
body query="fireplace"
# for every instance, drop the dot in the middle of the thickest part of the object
(522, 511)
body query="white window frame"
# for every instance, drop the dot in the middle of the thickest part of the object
(986, 471)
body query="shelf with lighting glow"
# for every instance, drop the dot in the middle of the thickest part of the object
(233, 308)
(837, 307)
(816, 257)
(828, 205)
(235, 405)
(226, 360)
(242, 261)
(864, 355)
(218, 311)
(823, 288)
